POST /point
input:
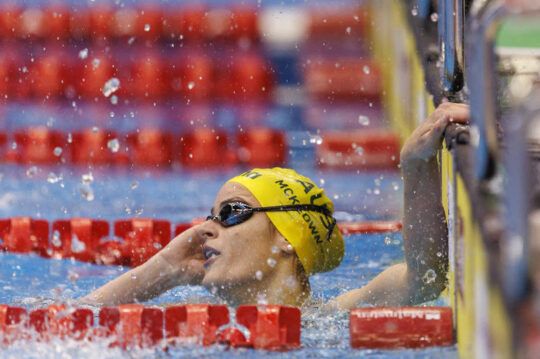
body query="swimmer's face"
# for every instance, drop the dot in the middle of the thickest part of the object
(235, 255)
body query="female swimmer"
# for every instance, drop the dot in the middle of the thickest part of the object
(269, 229)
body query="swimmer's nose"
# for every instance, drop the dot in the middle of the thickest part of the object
(208, 230)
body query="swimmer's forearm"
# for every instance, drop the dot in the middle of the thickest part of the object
(137, 285)
(425, 236)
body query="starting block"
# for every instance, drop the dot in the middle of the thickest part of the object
(401, 327)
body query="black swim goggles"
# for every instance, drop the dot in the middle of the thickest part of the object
(235, 213)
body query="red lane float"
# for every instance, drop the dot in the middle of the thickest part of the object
(90, 147)
(151, 147)
(401, 327)
(345, 79)
(262, 147)
(59, 321)
(370, 149)
(12, 323)
(36, 145)
(271, 327)
(142, 239)
(78, 238)
(194, 323)
(132, 325)
(25, 235)
(371, 227)
(204, 147)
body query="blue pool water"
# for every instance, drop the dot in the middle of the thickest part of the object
(178, 196)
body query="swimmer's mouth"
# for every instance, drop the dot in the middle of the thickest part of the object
(210, 255)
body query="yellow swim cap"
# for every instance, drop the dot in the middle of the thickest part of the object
(306, 231)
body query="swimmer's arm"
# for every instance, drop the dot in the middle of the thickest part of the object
(137, 285)
(425, 236)
(179, 263)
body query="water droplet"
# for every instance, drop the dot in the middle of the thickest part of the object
(359, 150)
(439, 254)
(133, 276)
(348, 30)
(113, 145)
(191, 85)
(366, 69)
(57, 151)
(289, 247)
(77, 246)
(131, 40)
(376, 191)
(434, 17)
(395, 186)
(363, 120)
(191, 155)
(14, 146)
(429, 277)
(83, 54)
(114, 99)
(271, 262)
(190, 239)
(56, 239)
(274, 249)
(134, 185)
(322, 182)
(87, 178)
(147, 27)
(414, 11)
(95, 129)
(111, 86)
(87, 192)
(69, 138)
(316, 139)
(259, 275)
(95, 64)
(53, 178)
(157, 245)
(387, 241)
(377, 182)
(31, 171)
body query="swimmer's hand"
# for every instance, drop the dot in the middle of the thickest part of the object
(426, 139)
(184, 258)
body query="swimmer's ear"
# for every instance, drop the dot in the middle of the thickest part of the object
(283, 245)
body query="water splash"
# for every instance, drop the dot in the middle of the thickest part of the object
(77, 246)
(113, 145)
(111, 86)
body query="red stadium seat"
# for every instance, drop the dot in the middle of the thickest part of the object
(79, 237)
(262, 147)
(192, 76)
(133, 325)
(151, 147)
(32, 24)
(401, 327)
(204, 147)
(194, 323)
(372, 149)
(36, 145)
(93, 23)
(24, 235)
(351, 79)
(142, 238)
